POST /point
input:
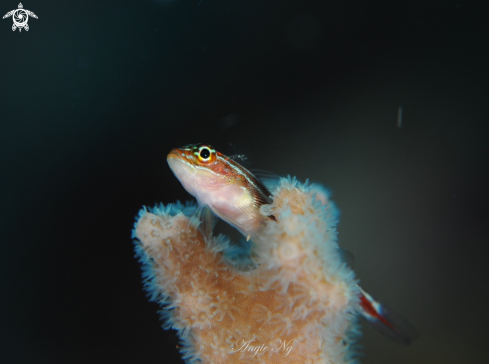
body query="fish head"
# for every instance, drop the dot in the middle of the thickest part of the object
(197, 168)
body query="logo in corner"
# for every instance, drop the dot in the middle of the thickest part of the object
(20, 17)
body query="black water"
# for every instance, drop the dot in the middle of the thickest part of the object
(96, 93)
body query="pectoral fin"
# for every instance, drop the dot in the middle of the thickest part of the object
(205, 220)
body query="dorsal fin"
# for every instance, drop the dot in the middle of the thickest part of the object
(238, 157)
(269, 179)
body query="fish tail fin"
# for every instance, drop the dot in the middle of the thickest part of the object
(386, 321)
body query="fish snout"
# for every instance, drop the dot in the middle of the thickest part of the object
(182, 169)
(174, 153)
(179, 163)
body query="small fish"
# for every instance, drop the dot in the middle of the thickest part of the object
(235, 195)
(221, 184)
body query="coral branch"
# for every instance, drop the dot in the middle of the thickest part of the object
(297, 306)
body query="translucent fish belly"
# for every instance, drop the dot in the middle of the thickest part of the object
(296, 307)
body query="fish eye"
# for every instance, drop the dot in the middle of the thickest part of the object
(205, 153)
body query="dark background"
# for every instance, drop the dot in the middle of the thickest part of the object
(96, 93)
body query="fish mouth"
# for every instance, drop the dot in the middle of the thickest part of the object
(178, 163)
(174, 153)
(182, 169)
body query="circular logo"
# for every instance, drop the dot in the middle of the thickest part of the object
(20, 18)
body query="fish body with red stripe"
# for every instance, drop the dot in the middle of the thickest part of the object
(232, 192)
